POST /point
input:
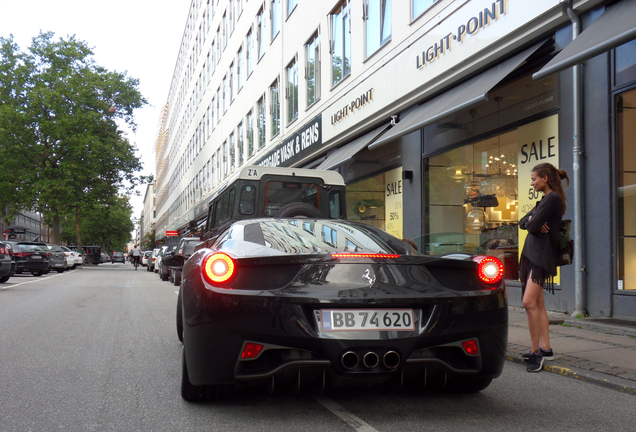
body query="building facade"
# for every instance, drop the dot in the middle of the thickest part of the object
(434, 112)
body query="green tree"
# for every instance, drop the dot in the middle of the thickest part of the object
(148, 242)
(63, 111)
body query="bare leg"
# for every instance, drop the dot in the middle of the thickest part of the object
(531, 302)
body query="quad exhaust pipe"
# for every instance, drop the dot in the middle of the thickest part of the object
(350, 360)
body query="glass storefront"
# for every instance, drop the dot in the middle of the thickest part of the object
(626, 183)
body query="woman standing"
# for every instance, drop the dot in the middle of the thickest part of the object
(538, 264)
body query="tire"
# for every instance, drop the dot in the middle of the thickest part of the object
(3, 279)
(60, 271)
(189, 391)
(180, 315)
(36, 273)
(164, 276)
(177, 278)
(299, 209)
(464, 385)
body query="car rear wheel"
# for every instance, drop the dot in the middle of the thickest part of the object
(3, 279)
(36, 273)
(164, 276)
(180, 315)
(189, 391)
(177, 277)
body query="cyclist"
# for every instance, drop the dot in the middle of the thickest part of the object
(136, 255)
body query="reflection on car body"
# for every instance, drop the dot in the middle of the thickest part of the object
(290, 301)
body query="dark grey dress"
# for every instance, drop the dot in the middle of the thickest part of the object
(539, 255)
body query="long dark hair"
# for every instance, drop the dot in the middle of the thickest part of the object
(555, 176)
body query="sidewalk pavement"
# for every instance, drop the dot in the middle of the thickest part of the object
(602, 353)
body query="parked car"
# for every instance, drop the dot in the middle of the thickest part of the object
(153, 259)
(145, 256)
(79, 256)
(117, 257)
(71, 259)
(297, 299)
(158, 257)
(163, 272)
(7, 263)
(173, 264)
(31, 257)
(58, 258)
(93, 255)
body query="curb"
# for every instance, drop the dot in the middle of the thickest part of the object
(614, 383)
(600, 327)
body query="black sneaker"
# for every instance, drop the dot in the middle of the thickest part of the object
(547, 355)
(535, 362)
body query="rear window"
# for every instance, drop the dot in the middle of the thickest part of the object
(316, 237)
(55, 248)
(25, 247)
(118, 254)
(280, 193)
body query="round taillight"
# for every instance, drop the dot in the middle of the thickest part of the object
(489, 269)
(218, 267)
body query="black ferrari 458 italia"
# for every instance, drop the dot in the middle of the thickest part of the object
(336, 303)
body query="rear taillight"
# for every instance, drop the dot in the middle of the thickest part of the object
(2, 251)
(218, 268)
(251, 350)
(489, 269)
(471, 347)
(358, 255)
(22, 254)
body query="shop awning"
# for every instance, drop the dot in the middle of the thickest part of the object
(458, 98)
(346, 152)
(616, 26)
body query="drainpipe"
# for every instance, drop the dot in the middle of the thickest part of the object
(580, 302)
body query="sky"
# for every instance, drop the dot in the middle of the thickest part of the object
(140, 37)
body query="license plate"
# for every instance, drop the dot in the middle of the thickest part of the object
(367, 319)
(36, 257)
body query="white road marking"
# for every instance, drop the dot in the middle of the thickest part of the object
(355, 422)
(32, 281)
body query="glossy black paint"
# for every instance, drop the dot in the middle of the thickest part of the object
(274, 301)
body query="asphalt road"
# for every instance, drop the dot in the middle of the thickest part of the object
(95, 349)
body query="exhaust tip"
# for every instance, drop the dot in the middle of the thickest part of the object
(349, 360)
(371, 360)
(391, 359)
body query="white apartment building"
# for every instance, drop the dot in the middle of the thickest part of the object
(433, 111)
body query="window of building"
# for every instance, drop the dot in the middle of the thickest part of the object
(312, 69)
(626, 181)
(419, 6)
(225, 30)
(261, 123)
(274, 108)
(249, 122)
(378, 24)
(340, 48)
(249, 53)
(225, 90)
(232, 16)
(218, 105)
(218, 44)
(232, 82)
(232, 151)
(239, 8)
(240, 144)
(292, 91)
(291, 5)
(239, 69)
(225, 159)
(260, 27)
(275, 15)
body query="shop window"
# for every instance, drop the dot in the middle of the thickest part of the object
(625, 64)
(626, 184)
(365, 201)
(340, 44)
(378, 24)
(291, 92)
(312, 69)
(471, 199)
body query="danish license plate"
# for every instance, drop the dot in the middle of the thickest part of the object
(367, 319)
(36, 257)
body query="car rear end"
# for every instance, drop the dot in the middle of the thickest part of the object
(58, 258)
(6, 262)
(363, 318)
(31, 257)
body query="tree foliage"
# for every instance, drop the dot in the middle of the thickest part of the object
(148, 242)
(59, 130)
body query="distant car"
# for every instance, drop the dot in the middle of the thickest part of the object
(145, 257)
(7, 263)
(295, 300)
(93, 255)
(72, 257)
(162, 270)
(153, 259)
(158, 257)
(58, 258)
(117, 257)
(173, 264)
(31, 257)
